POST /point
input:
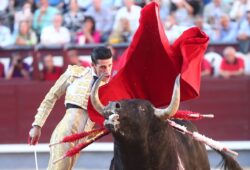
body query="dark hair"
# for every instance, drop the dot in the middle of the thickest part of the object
(100, 53)
(91, 19)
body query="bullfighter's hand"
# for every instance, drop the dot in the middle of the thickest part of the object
(34, 135)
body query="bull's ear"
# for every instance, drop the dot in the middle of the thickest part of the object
(95, 97)
(174, 104)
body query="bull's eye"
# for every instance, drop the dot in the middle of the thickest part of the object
(117, 106)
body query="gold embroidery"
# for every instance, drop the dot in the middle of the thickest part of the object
(76, 71)
(78, 97)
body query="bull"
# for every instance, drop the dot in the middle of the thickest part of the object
(144, 141)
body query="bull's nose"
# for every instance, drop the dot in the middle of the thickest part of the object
(114, 105)
(117, 105)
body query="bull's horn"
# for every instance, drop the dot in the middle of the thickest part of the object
(174, 104)
(95, 97)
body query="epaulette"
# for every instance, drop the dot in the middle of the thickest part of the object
(75, 70)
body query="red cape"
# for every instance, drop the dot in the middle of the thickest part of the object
(150, 65)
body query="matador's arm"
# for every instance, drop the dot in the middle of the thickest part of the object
(58, 89)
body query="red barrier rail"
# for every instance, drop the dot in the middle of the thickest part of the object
(227, 99)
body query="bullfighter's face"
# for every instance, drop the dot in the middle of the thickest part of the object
(103, 66)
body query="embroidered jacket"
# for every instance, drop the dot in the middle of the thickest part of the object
(76, 82)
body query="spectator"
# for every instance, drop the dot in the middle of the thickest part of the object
(239, 10)
(206, 68)
(17, 68)
(43, 16)
(123, 32)
(244, 34)
(226, 31)
(84, 4)
(88, 34)
(2, 75)
(199, 22)
(73, 59)
(214, 59)
(164, 8)
(103, 18)
(33, 5)
(24, 14)
(50, 71)
(25, 35)
(112, 5)
(172, 29)
(131, 12)
(184, 13)
(73, 19)
(231, 65)
(197, 6)
(5, 34)
(55, 34)
(214, 10)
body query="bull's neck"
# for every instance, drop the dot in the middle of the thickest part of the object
(138, 155)
(149, 154)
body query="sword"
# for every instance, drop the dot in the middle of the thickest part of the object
(35, 154)
(31, 135)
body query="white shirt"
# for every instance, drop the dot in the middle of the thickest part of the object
(51, 36)
(239, 10)
(174, 32)
(133, 17)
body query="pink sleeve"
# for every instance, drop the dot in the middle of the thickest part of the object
(97, 37)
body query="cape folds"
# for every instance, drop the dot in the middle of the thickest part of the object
(150, 65)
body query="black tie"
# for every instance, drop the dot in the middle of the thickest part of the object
(94, 80)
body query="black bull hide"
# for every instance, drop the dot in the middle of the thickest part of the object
(143, 141)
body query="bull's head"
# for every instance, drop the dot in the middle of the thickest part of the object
(129, 115)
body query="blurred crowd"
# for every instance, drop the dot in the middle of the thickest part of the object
(53, 22)
(29, 22)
